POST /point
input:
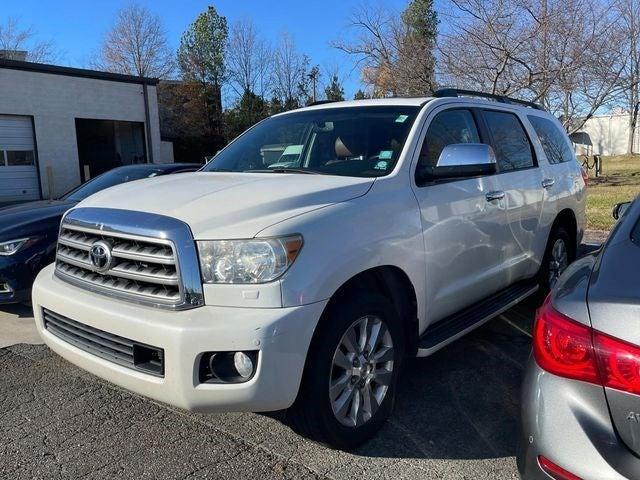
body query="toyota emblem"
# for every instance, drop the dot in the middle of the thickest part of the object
(100, 254)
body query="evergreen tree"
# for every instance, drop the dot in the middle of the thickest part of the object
(360, 95)
(334, 91)
(201, 60)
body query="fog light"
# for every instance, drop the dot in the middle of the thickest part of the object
(5, 288)
(243, 364)
(227, 367)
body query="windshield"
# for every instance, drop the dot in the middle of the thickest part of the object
(352, 141)
(112, 178)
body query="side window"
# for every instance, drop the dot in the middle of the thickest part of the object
(553, 140)
(448, 127)
(510, 141)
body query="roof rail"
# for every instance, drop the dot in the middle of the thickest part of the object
(457, 92)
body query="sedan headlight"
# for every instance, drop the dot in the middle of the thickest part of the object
(12, 246)
(258, 260)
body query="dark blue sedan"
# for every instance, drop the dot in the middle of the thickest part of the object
(28, 231)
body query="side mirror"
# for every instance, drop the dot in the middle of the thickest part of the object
(462, 160)
(619, 209)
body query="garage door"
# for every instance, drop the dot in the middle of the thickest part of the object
(18, 174)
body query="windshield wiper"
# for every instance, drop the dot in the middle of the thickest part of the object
(287, 170)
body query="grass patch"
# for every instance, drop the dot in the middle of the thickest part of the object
(619, 182)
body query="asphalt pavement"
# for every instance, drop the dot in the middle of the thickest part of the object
(456, 417)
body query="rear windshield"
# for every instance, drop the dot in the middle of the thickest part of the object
(352, 141)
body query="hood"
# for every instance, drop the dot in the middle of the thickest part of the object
(25, 218)
(219, 205)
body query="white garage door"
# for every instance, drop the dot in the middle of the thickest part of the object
(18, 175)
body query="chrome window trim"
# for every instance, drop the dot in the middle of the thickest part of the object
(150, 227)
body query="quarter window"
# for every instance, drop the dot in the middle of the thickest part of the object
(510, 141)
(553, 140)
(447, 128)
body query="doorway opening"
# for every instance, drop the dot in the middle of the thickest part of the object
(107, 144)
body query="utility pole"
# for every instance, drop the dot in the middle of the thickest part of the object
(314, 75)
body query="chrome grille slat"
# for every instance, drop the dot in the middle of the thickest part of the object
(143, 268)
(142, 255)
(119, 284)
(134, 271)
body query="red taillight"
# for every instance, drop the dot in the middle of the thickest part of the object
(585, 175)
(554, 471)
(562, 346)
(618, 363)
(570, 349)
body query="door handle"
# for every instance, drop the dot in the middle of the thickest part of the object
(548, 182)
(495, 195)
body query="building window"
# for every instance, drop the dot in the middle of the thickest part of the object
(20, 158)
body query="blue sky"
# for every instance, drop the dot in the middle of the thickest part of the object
(77, 27)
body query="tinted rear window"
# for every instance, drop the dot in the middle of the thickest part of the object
(553, 140)
(510, 141)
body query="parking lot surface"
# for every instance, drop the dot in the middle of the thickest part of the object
(456, 417)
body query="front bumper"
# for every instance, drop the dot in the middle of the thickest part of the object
(568, 422)
(282, 336)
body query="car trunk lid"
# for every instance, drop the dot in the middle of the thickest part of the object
(614, 307)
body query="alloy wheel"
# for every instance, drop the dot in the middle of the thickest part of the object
(559, 261)
(361, 372)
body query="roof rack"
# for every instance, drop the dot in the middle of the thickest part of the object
(457, 92)
(320, 102)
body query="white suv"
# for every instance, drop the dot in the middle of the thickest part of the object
(311, 256)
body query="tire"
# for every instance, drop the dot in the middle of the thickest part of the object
(312, 414)
(551, 269)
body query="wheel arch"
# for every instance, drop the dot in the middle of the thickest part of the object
(393, 283)
(567, 218)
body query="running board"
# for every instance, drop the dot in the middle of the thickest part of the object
(451, 328)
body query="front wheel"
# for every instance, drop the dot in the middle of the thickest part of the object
(350, 379)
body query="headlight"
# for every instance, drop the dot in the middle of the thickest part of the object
(258, 260)
(12, 246)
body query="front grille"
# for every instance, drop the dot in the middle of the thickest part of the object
(108, 346)
(142, 268)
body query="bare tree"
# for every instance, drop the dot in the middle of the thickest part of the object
(290, 70)
(630, 27)
(136, 45)
(249, 60)
(20, 43)
(563, 54)
(375, 46)
(394, 49)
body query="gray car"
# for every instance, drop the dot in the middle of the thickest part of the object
(581, 393)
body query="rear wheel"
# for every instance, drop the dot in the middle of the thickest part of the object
(558, 256)
(351, 374)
